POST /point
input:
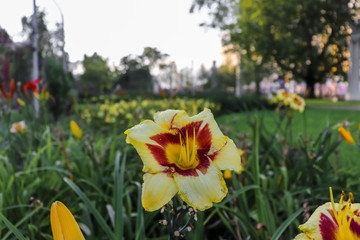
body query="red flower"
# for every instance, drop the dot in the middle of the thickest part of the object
(31, 85)
(8, 96)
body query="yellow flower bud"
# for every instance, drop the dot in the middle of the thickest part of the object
(76, 130)
(346, 135)
(21, 102)
(63, 223)
(227, 174)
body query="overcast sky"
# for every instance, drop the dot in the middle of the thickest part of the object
(116, 28)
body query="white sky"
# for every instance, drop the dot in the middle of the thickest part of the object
(116, 28)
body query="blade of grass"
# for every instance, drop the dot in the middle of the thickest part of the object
(101, 221)
(119, 194)
(21, 221)
(140, 231)
(260, 204)
(285, 224)
(226, 222)
(238, 192)
(12, 228)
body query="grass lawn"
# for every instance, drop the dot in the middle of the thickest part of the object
(310, 124)
(310, 102)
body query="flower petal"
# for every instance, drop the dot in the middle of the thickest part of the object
(301, 236)
(201, 191)
(12, 88)
(140, 137)
(166, 118)
(225, 154)
(206, 117)
(322, 223)
(158, 189)
(63, 223)
(312, 227)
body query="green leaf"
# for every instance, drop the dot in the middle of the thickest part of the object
(101, 221)
(285, 224)
(119, 194)
(12, 228)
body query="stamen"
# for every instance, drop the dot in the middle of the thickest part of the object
(333, 205)
(193, 155)
(187, 145)
(343, 216)
(188, 150)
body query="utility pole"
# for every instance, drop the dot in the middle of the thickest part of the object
(35, 57)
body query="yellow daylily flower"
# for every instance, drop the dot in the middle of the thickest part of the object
(346, 135)
(293, 100)
(337, 221)
(297, 103)
(183, 155)
(75, 129)
(63, 223)
(282, 95)
(18, 127)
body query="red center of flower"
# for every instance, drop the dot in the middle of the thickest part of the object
(185, 151)
(297, 101)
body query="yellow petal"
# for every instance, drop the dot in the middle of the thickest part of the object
(75, 130)
(166, 118)
(301, 236)
(63, 224)
(202, 191)
(139, 137)
(226, 155)
(158, 189)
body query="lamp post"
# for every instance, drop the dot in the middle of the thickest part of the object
(238, 90)
(62, 37)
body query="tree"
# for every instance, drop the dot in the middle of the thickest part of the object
(97, 74)
(59, 85)
(134, 74)
(225, 78)
(138, 72)
(49, 41)
(299, 35)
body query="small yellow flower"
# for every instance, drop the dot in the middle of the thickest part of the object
(63, 223)
(75, 130)
(21, 102)
(346, 135)
(297, 103)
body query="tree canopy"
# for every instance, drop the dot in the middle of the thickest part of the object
(97, 75)
(308, 38)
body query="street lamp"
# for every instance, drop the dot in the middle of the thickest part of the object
(62, 37)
